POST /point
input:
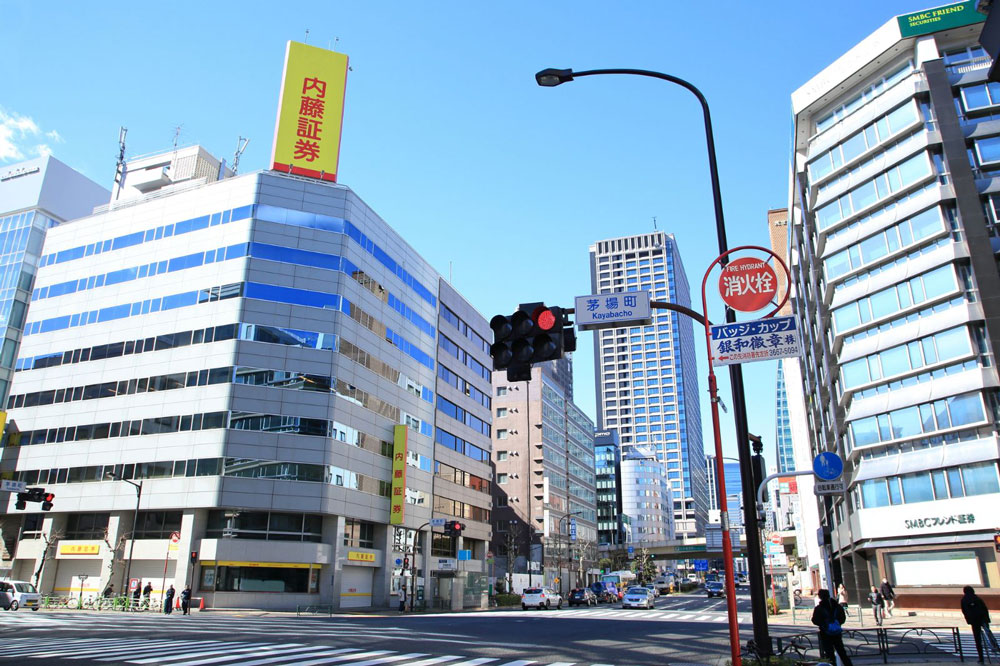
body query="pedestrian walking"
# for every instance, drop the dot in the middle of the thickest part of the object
(889, 594)
(168, 601)
(186, 600)
(402, 597)
(830, 617)
(842, 596)
(109, 591)
(146, 591)
(135, 598)
(878, 605)
(978, 616)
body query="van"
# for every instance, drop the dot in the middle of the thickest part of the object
(23, 595)
(662, 584)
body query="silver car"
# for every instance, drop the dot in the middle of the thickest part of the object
(638, 597)
(540, 598)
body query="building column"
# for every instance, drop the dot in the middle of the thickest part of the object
(47, 579)
(334, 585)
(382, 580)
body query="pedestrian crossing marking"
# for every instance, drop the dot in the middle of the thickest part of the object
(285, 650)
(347, 657)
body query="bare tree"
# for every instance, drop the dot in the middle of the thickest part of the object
(586, 551)
(48, 552)
(512, 550)
(117, 552)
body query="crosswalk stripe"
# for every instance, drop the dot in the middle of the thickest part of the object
(390, 659)
(207, 651)
(439, 660)
(129, 647)
(702, 618)
(476, 662)
(265, 651)
(344, 657)
(303, 653)
(46, 651)
(563, 663)
(514, 663)
(148, 650)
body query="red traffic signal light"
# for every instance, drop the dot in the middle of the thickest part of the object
(194, 556)
(47, 501)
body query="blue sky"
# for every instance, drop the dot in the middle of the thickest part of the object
(496, 181)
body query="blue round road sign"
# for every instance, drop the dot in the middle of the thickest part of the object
(398, 561)
(828, 466)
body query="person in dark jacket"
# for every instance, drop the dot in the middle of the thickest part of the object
(977, 615)
(186, 600)
(878, 605)
(168, 600)
(888, 594)
(146, 591)
(135, 598)
(109, 591)
(830, 617)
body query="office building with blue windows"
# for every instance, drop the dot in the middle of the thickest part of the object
(646, 377)
(893, 232)
(611, 521)
(35, 195)
(235, 356)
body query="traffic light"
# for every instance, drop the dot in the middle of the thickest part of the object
(453, 528)
(47, 501)
(20, 504)
(534, 334)
(194, 557)
(406, 563)
(34, 495)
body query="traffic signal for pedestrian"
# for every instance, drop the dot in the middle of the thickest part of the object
(453, 528)
(406, 563)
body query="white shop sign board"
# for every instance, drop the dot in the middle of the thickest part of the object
(759, 340)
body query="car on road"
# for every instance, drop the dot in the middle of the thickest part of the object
(652, 588)
(662, 584)
(605, 591)
(715, 589)
(540, 598)
(582, 596)
(638, 597)
(20, 594)
(693, 578)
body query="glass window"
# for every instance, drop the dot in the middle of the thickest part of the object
(905, 422)
(940, 485)
(955, 482)
(981, 479)
(894, 495)
(874, 493)
(989, 150)
(917, 487)
(965, 409)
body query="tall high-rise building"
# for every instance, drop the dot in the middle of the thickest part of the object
(544, 482)
(646, 498)
(646, 376)
(248, 359)
(894, 227)
(734, 487)
(34, 196)
(608, 474)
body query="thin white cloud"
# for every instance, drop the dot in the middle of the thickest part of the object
(19, 137)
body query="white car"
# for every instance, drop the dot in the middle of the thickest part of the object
(638, 597)
(540, 598)
(23, 595)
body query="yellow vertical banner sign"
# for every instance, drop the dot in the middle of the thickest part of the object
(398, 505)
(310, 112)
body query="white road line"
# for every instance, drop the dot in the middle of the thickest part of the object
(345, 657)
(390, 659)
(510, 663)
(230, 648)
(131, 648)
(703, 618)
(685, 617)
(476, 662)
(271, 649)
(437, 660)
(21, 650)
(150, 650)
(562, 663)
(305, 652)
(46, 651)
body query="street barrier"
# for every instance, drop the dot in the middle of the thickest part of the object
(877, 642)
(312, 609)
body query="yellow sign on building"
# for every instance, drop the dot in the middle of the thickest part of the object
(398, 498)
(358, 556)
(80, 549)
(310, 112)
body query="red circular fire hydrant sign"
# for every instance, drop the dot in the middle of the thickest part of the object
(748, 284)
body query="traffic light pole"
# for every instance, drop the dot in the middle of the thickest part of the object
(413, 565)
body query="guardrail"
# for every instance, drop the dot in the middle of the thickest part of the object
(314, 609)
(877, 642)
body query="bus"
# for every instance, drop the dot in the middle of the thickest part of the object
(621, 579)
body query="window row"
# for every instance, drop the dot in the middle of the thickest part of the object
(464, 357)
(461, 415)
(942, 346)
(958, 410)
(871, 218)
(156, 233)
(288, 579)
(152, 426)
(923, 377)
(885, 242)
(871, 92)
(264, 525)
(939, 484)
(916, 290)
(455, 443)
(867, 138)
(113, 312)
(893, 264)
(461, 477)
(301, 218)
(139, 272)
(450, 507)
(463, 386)
(980, 96)
(871, 192)
(908, 318)
(479, 341)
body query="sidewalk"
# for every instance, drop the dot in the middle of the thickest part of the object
(901, 619)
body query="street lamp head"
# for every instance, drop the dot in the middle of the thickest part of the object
(552, 77)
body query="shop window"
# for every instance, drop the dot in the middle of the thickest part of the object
(359, 534)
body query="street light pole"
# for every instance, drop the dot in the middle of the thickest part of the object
(135, 524)
(553, 77)
(559, 566)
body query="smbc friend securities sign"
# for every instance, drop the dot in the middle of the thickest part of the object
(310, 112)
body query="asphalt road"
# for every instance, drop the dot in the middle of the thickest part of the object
(683, 629)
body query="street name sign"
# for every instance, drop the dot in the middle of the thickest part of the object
(437, 522)
(828, 466)
(572, 529)
(625, 308)
(748, 284)
(13, 486)
(759, 340)
(830, 487)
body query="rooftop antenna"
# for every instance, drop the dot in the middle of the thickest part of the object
(177, 134)
(120, 167)
(307, 35)
(241, 145)
(654, 223)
